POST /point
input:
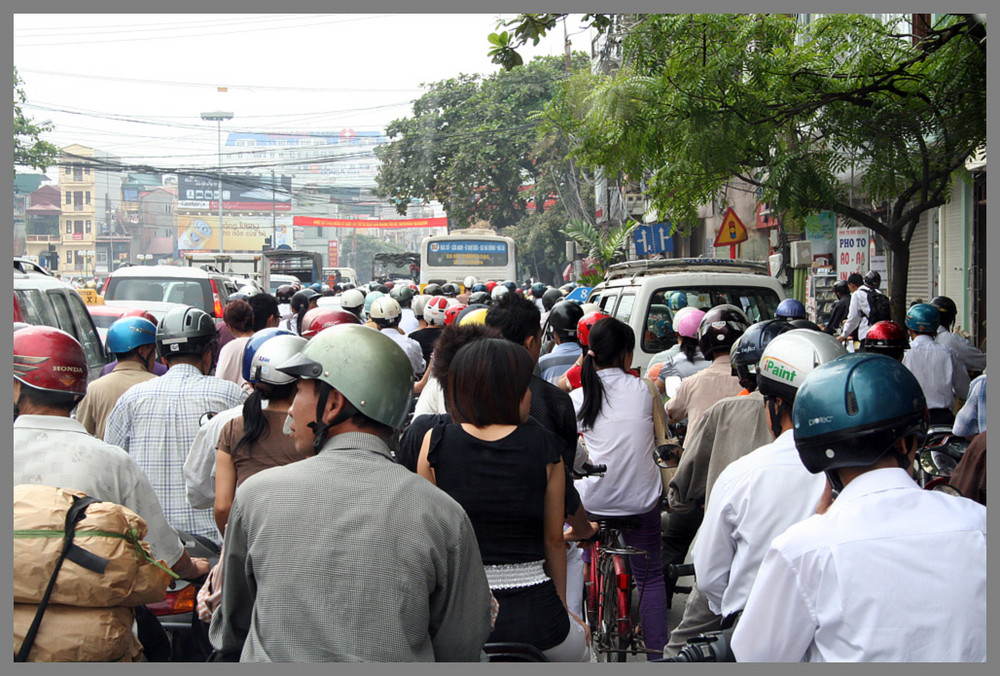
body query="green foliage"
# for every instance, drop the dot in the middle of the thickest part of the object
(830, 115)
(606, 245)
(29, 149)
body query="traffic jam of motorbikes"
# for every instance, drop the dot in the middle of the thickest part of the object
(741, 440)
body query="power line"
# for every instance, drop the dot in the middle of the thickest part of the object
(174, 36)
(56, 31)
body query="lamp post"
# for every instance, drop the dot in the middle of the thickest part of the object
(218, 116)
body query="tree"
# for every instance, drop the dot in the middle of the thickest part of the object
(604, 246)
(29, 149)
(846, 113)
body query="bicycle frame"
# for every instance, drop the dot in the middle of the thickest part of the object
(608, 593)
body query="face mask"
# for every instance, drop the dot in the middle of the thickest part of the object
(286, 429)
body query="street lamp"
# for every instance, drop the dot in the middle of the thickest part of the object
(218, 116)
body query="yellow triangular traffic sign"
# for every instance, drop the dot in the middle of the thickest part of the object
(732, 231)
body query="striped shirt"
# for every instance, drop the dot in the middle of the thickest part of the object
(156, 423)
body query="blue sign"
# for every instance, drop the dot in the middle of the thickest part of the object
(643, 235)
(655, 238)
(579, 294)
(663, 241)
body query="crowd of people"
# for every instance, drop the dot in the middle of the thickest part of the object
(393, 473)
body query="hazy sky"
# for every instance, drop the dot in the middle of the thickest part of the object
(134, 85)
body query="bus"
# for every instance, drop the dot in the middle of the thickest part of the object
(480, 253)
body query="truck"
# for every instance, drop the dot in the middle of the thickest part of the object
(255, 266)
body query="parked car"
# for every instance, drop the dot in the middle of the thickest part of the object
(207, 290)
(280, 279)
(41, 298)
(639, 293)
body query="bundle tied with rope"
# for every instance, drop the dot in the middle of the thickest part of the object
(80, 566)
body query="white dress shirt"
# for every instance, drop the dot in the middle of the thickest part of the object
(755, 499)
(622, 439)
(408, 321)
(938, 370)
(412, 348)
(431, 399)
(857, 313)
(972, 358)
(891, 573)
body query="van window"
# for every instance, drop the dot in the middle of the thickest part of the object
(757, 303)
(624, 310)
(35, 308)
(86, 332)
(607, 302)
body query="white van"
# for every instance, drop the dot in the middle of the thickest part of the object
(639, 293)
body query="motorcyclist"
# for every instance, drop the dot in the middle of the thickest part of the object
(404, 296)
(971, 357)
(789, 309)
(302, 301)
(563, 318)
(764, 492)
(843, 596)
(353, 301)
(888, 338)
(937, 367)
(838, 313)
(689, 359)
(386, 314)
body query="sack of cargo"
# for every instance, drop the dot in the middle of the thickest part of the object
(109, 564)
(71, 634)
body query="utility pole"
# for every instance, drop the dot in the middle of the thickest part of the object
(218, 117)
(274, 220)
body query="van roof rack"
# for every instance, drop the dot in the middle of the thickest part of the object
(642, 268)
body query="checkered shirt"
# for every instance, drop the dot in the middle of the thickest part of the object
(156, 422)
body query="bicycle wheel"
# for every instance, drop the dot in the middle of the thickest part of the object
(616, 616)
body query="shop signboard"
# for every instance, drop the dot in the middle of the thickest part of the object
(852, 250)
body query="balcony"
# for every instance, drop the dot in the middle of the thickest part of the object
(42, 238)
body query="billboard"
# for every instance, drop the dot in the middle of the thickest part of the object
(246, 193)
(241, 233)
(310, 221)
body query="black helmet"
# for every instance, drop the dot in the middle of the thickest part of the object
(873, 279)
(564, 317)
(302, 298)
(432, 289)
(850, 411)
(450, 290)
(947, 310)
(185, 330)
(840, 288)
(550, 298)
(748, 348)
(480, 298)
(719, 329)
(537, 290)
(804, 324)
(284, 293)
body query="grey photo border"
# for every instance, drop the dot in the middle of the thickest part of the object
(455, 6)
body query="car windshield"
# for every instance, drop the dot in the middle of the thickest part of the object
(102, 321)
(188, 292)
(757, 303)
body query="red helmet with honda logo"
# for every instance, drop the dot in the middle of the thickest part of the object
(585, 324)
(320, 318)
(452, 312)
(49, 359)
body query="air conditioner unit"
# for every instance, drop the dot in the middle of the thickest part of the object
(774, 264)
(801, 254)
(774, 238)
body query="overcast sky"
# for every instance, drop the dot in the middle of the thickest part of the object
(134, 85)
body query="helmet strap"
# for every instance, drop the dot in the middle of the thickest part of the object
(835, 481)
(319, 427)
(774, 419)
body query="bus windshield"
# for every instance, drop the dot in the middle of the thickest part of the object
(457, 256)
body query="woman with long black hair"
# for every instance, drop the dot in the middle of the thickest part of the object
(615, 415)
(255, 441)
(506, 471)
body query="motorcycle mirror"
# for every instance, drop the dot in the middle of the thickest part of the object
(937, 463)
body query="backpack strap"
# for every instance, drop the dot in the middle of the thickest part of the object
(74, 515)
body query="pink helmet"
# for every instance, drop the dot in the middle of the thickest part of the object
(688, 325)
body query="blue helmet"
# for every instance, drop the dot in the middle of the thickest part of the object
(254, 344)
(479, 286)
(790, 308)
(128, 333)
(850, 411)
(923, 318)
(677, 300)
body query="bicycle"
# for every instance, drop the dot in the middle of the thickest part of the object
(608, 585)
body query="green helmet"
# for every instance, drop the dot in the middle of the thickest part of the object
(367, 367)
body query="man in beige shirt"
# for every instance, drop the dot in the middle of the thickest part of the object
(132, 340)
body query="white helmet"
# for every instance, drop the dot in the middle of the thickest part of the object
(418, 304)
(790, 357)
(249, 290)
(385, 310)
(273, 351)
(498, 291)
(434, 310)
(352, 299)
(469, 282)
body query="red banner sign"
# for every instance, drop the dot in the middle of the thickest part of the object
(310, 221)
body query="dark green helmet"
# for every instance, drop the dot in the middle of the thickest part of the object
(850, 411)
